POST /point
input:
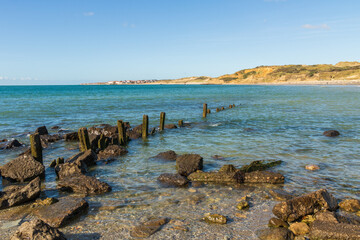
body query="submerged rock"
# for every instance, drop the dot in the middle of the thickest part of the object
(298, 207)
(219, 177)
(112, 151)
(83, 184)
(37, 230)
(331, 133)
(58, 214)
(170, 126)
(276, 223)
(70, 169)
(260, 165)
(275, 234)
(46, 139)
(88, 157)
(16, 195)
(188, 163)
(72, 136)
(173, 179)
(42, 130)
(23, 168)
(350, 205)
(264, 177)
(280, 195)
(215, 218)
(312, 167)
(148, 228)
(168, 155)
(12, 144)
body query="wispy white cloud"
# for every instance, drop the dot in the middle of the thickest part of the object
(88, 14)
(311, 26)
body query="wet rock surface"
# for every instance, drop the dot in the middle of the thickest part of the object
(112, 151)
(168, 155)
(80, 183)
(58, 214)
(218, 177)
(70, 169)
(280, 195)
(332, 230)
(331, 133)
(298, 207)
(173, 179)
(72, 136)
(264, 177)
(260, 165)
(170, 126)
(13, 144)
(188, 163)
(22, 168)
(37, 230)
(88, 157)
(276, 222)
(275, 234)
(350, 205)
(215, 218)
(42, 130)
(299, 228)
(16, 195)
(148, 228)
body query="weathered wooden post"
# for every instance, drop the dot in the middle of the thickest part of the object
(204, 110)
(217, 109)
(222, 108)
(36, 148)
(233, 105)
(122, 132)
(145, 126)
(181, 123)
(162, 121)
(230, 106)
(84, 139)
(102, 142)
(208, 111)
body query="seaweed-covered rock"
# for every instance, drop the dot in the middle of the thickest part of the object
(112, 151)
(218, 177)
(260, 165)
(42, 130)
(264, 177)
(23, 168)
(350, 205)
(168, 155)
(188, 163)
(148, 228)
(37, 230)
(331, 133)
(58, 214)
(80, 183)
(173, 179)
(275, 234)
(72, 136)
(332, 230)
(298, 207)
(16, 195)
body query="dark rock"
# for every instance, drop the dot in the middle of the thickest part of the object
(152, 131)
(298, 207)
(37, 230)
(331, 133)
(83, 184)
(23, 168)
(218, 177)
(88, 157)
(134, 133)
(146, 229)
(46, 139)
(188, 163)
(264, 177)
(106, 129)
(58, 214)
(170, 126)
(168, 155)
(3, 140)
(42, 130)
(16, 195)
(276, 222)
(228, 168)
(55, 127)
(56, 162)
(73, 136)
(350, 205)
(275, 234)
(280, 195)
(217, 157)
(260, 165)
(12, 144)
(332, 230)
(112, 151)
(70, 168)
(173, 179)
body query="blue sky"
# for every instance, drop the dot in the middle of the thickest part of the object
(76, 41)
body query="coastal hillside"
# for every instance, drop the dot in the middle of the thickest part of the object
(342, 72)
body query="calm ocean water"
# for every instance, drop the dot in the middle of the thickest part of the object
(269, 122)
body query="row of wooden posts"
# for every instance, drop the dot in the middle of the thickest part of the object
(208, 111)
(35, 141)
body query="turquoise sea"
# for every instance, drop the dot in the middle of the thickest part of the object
(269, 122)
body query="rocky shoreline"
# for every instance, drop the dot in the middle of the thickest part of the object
(221, 201)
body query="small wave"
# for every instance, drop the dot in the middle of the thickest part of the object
(215, 124)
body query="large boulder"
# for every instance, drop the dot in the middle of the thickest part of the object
(298, 207)
(83, 184)
(37, 230)
(42, 130)
(23, 168)
(173, 179)
(16, 195)
(60, 213)
(264, 177)
(188, 163)
(112, 151)
(168, 155)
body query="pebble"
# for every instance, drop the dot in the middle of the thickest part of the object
(215, 218)
(192, 190)
(312, 167)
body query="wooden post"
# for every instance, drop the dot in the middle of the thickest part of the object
(181, 123)
(145, 126)
(122, 132)
(36, 148)
(230, 106)
(162, 121)
(208, 111)
(233, 105)
(204, 110)
(217, 109)
(222, 108)
(84, 139)
(102, 142)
